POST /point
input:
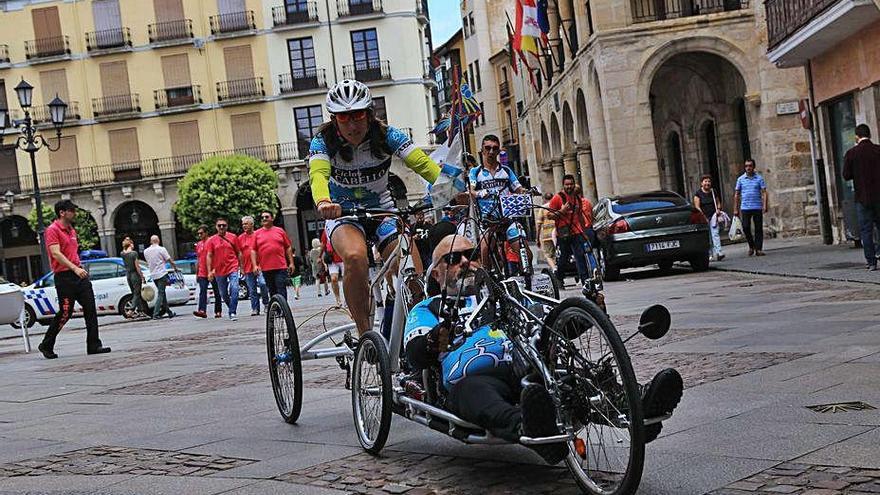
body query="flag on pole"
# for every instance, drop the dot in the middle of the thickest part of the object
(543, 18)
(527, 29)
(464, 104)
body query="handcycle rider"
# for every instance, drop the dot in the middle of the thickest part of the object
(349, 161)
(478, 374)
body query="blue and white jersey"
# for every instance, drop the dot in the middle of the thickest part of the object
(364, 180)
(482, 352)
(502, 183)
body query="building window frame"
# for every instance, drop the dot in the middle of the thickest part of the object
(311, 116)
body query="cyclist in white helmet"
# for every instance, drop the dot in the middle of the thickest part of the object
(349, 161)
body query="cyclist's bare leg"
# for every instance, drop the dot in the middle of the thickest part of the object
(349, 243)
(392, 270)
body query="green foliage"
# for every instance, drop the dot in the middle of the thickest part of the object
(229, 187)
(84, 223)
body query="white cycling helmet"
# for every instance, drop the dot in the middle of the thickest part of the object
(348, 95)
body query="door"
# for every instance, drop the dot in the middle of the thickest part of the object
(301, 52)
(115, 88)
(676, 165)
(247, 134)
(710, 144)
(47, 31)
(232, 15)
(842, 119)
(108, 23)
(365, 52)
(186, 146)
(168, 10)
(178, 85)
(239, 71)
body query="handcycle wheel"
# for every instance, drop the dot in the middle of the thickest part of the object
(371, 392)
(285, 364)
(603, 408)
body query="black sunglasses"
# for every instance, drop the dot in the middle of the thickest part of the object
(266, 217)
(222, 225)
(455, 257)
(491, 148)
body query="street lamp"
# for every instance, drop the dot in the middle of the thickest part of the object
(296, 173)
(30, 142)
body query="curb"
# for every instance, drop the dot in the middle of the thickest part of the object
(793, 275)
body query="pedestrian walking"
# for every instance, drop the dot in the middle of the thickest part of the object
(296, 273)
(546, 228)
(573, 216)
(273, 255)
(202, 277)
(224, 261)
(255, 282)
(707, 202)
(334, 265)
(72, 284)
(861, 164)
(157, 257)
(318, 267)
(750, 204)
(135, 278)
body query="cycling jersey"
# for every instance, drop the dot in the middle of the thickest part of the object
(363, 181)
(502, 183)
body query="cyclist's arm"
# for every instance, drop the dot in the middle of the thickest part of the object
(422, 164)
(319, 170)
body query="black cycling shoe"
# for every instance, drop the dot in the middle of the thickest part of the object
(47, 352)
(660, 397)
(539, 420)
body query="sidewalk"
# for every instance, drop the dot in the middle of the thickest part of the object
(804, 257)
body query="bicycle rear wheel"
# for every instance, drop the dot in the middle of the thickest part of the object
(601, 404)
(371, 392)
(285, 364)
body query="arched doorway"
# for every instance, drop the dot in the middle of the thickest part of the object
(700, 93)
(673, 176)
(20, 250)
(137, 220)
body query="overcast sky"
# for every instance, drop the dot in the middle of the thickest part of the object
(445, 20)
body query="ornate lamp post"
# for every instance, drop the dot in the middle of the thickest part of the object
(30, 142)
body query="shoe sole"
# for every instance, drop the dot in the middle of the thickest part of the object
(664, 393)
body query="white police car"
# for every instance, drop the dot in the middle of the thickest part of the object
(109, 284)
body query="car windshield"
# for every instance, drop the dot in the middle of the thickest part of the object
(185, 268)
(632, 204)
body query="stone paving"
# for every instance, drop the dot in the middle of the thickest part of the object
(197, 383)
(805, 479)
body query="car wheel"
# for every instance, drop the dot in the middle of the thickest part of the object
(665, 265)
(700, 263)
(29, 318)
(611, 272)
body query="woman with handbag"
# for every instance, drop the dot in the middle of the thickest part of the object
(706, 201)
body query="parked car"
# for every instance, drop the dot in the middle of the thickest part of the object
(112, 294)
(11, 301)
(651, 228)
(189, 268)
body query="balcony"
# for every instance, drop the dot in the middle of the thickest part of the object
(178, 98)
(117, 105)
(507, 136)
(241, 90)
(798, 30)
(55, 46)
(41, 114)
(660, 10)
(368, 70)
(348, 8)
(4, 54)
(108, 39)
(179, 30)
(303, 80)
(504, 90)
(233, 22)
(287, 16)
(422, 11)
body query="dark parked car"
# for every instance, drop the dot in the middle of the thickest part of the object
(652, 228)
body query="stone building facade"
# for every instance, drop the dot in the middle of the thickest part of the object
(641, 95)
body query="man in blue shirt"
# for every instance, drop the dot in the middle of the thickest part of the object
(750, 203)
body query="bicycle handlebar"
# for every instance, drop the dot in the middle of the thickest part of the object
(369, 212)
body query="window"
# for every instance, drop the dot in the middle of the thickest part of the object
(379, 108)
(302, 57)
(296, 6)
(3, 102)
(479, 85)
(307, 119)
(124, 147)
(365, 49)
(471, 76)
(482, 114)
(247, 131)
(473, 26)
(103, 271)
(464, 24)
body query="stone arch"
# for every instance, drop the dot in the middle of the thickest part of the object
(555, 137)
(544, 152)
(568, 139)
(671, 158)
(706, 138)
(135, 219)
(582, 124)
(20, 250)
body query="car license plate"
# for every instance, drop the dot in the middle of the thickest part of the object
(662, 246)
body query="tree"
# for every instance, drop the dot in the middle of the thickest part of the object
(84, 223)
(229, 187)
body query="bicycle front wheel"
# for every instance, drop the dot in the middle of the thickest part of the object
(371, 392)
(601, 404)
(285, 364)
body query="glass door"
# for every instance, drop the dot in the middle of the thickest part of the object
(842, 119)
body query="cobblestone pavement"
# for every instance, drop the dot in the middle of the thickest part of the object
(805, 479)
(197, 383)
(136, 359)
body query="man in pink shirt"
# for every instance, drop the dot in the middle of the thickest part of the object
(72, 283)
(256, 285)
(202, 277)
(272, 255)
(224, 260)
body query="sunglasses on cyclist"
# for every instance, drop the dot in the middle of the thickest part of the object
(356, 116)
(455, 257)
(491, 149)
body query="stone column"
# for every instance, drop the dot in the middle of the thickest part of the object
(108, 241)
(599, 140)
(553, 37)
(588, 175)
(168, 234)
(566, 17)
(558, 172)
(290, 215)
(569, 163)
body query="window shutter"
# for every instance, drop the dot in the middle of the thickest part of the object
(46, 23)
(124, 146)
(168, 10)
(106, 15)
(185, 139)
(247, 131)
(239, 63)
(54, 82)
(114, 78)
(66, 158)
(4, 103)
(175, 69)
(230, 6)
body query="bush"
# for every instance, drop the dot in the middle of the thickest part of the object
(84, 223)
(229, 187)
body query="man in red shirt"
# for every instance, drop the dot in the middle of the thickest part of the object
(72, 283)
(255, 282)
(573, 215)
(202, 277)
(272, 255)
(224, 260)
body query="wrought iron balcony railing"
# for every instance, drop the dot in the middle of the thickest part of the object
(241, 89)
(368, 70)
(659, 10)
(179, 29)
(302, 80)
(288, 15)
(4, 54)
(504, 90)
(46, 47)
(785, 17)
(345, 8)
(41, 114)
(116, 105)
(232, 22)
(108, 38)
(177, 97)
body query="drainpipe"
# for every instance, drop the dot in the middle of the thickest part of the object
(818, 163)
(332, 49)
